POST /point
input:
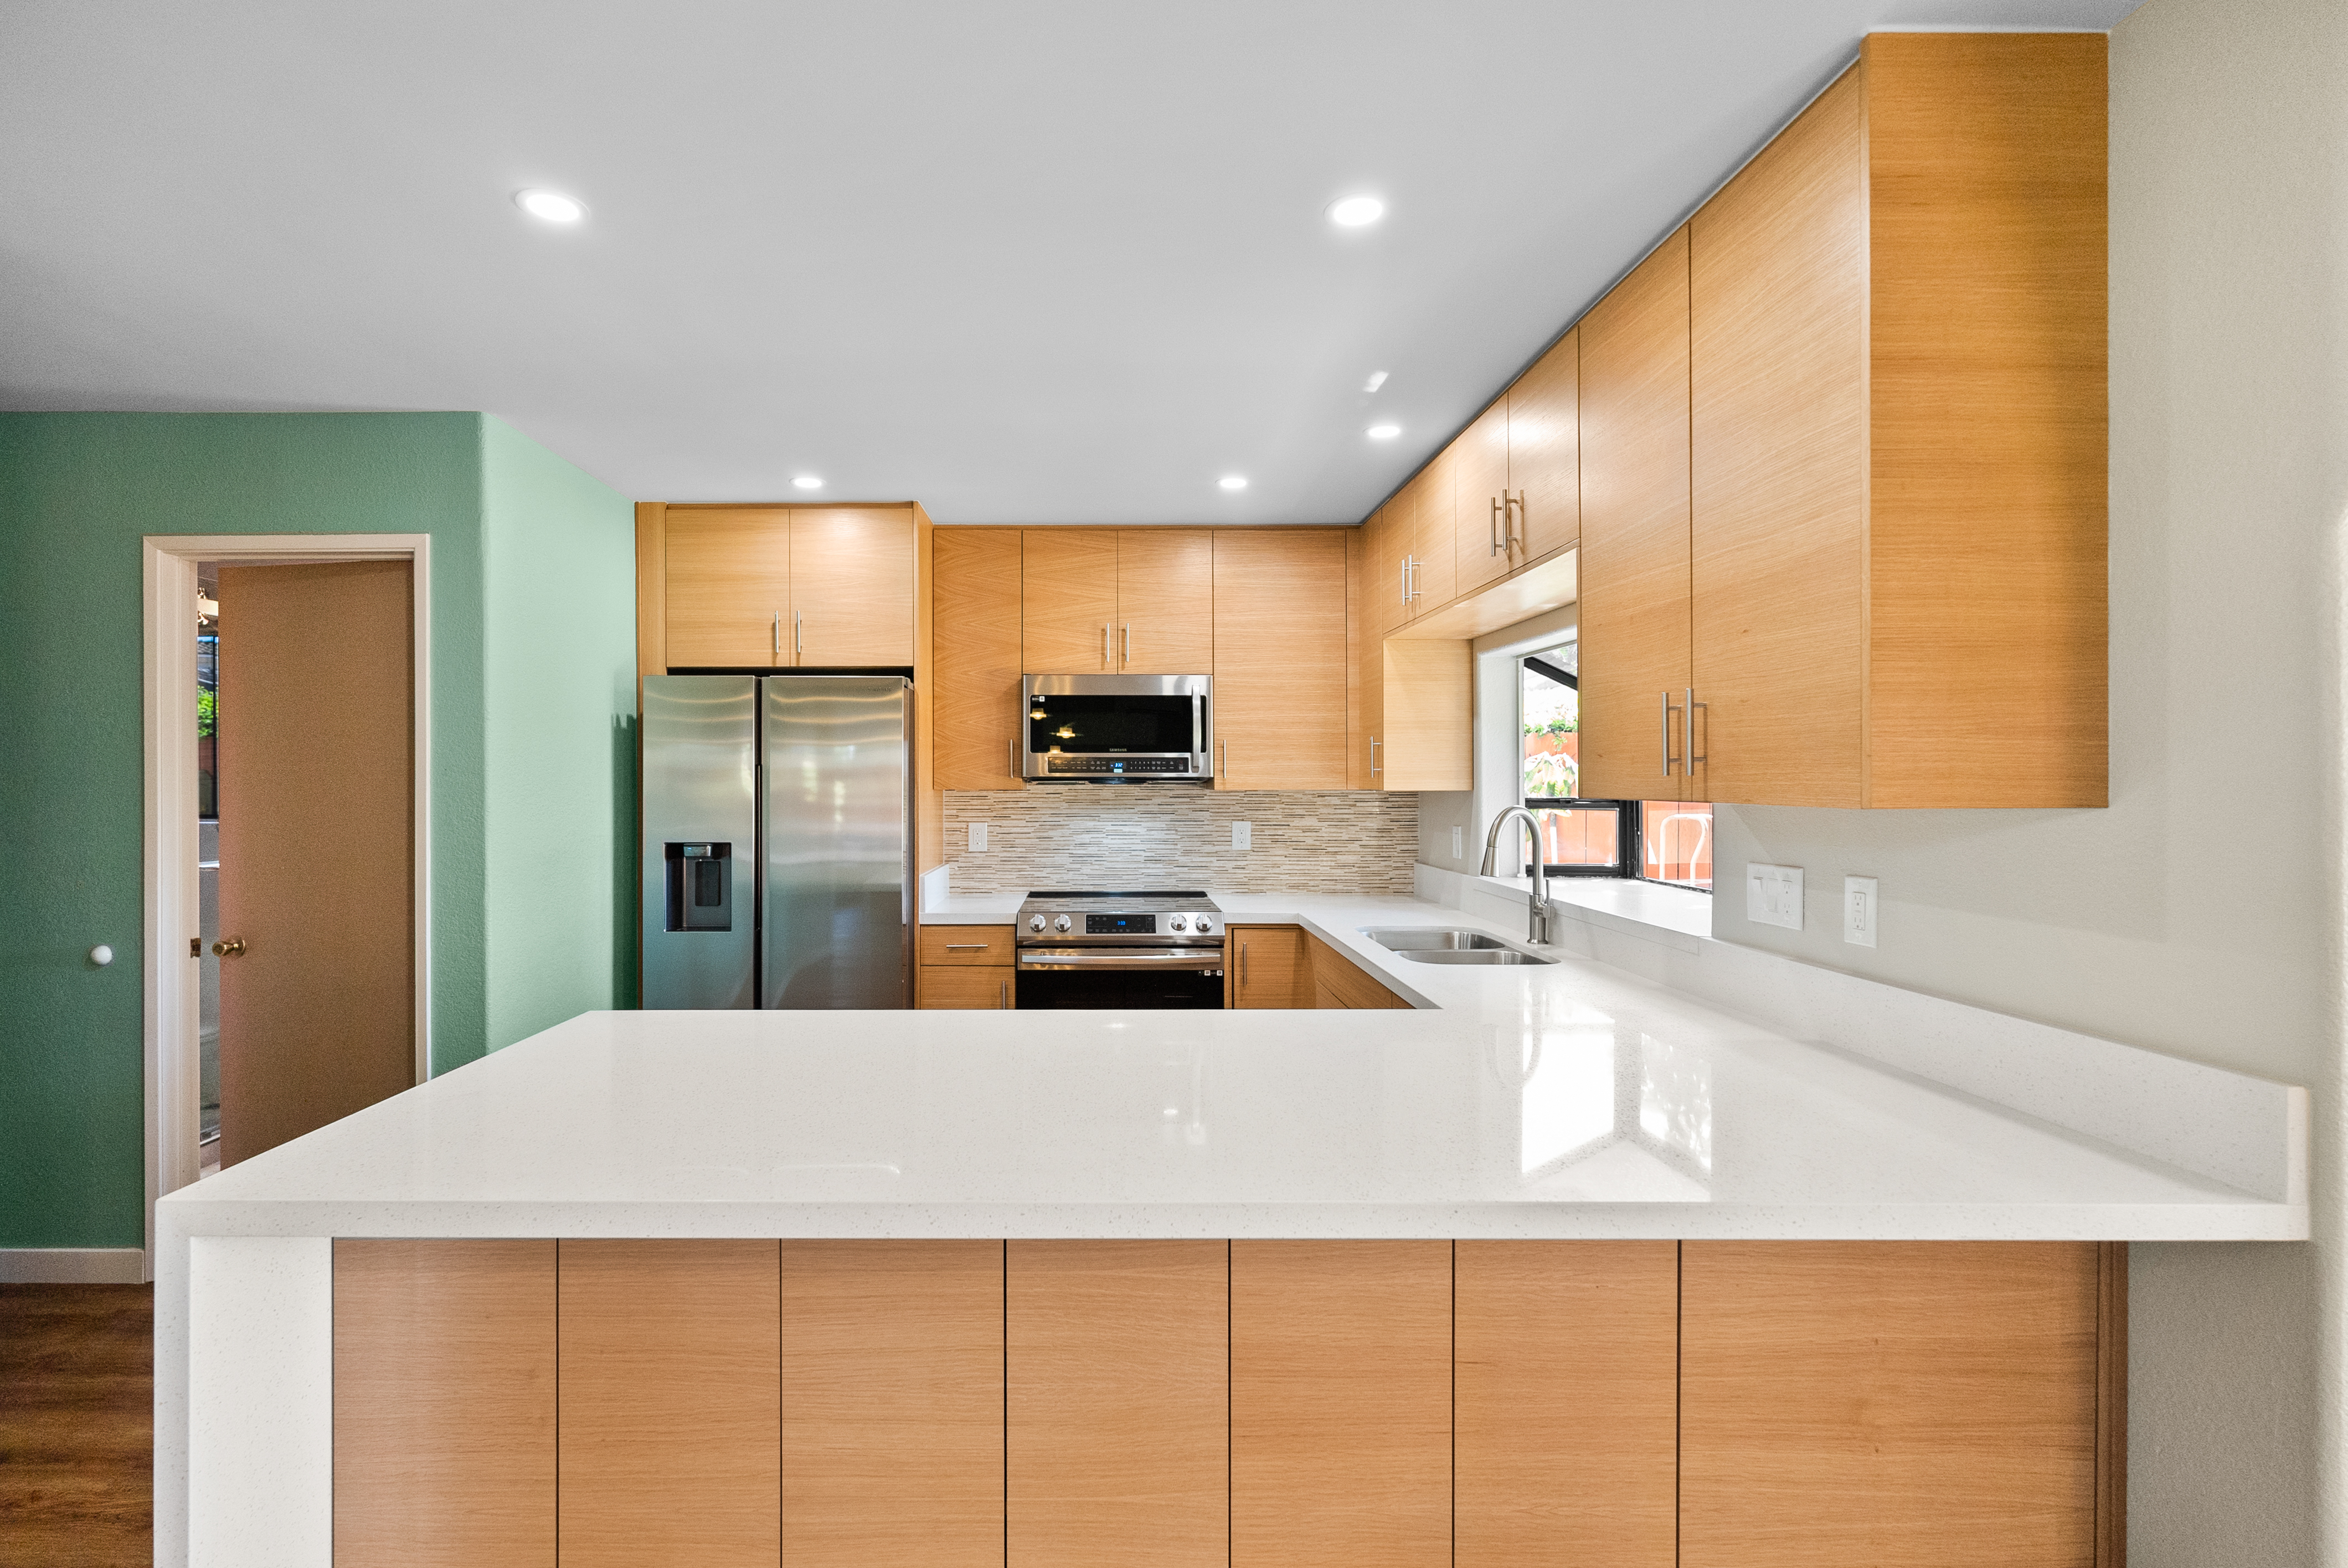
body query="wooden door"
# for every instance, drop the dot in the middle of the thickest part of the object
(1635, 616)
(1545, 452)
(443, 1404)
(1365, 648)
(852, 587)
(1164, 602)
(1340, 1404)
(1434, 530)
(1906, 1404)
(1117, 1404)
(1280, 658)
(968, 988)
(671, 1409)
(1392, 532)
(315, 764)
(1777, 422)
(1269, 966)
(1567, 1405)
(976, 658)
(892, 1403)
(727, 586)
(1479, 491)
(1068, 601)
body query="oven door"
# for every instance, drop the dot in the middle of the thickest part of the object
(1157, 978)
(1117, 729)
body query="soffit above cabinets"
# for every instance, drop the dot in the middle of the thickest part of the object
(1068, 264)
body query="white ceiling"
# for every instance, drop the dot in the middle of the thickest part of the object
(1055, 261)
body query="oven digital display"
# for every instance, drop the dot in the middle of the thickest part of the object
(1097, 925)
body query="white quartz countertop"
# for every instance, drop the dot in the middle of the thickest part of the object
(1557, 1101)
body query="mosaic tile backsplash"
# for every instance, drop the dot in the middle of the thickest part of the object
(1170, 835)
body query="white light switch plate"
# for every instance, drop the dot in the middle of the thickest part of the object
(1243, 835)
(1458, 851)
(1858, 910)
(978, 836)
(1772, 896)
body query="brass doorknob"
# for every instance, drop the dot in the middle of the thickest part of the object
(233, 947)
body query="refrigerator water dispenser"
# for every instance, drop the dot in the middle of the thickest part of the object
(700, 887)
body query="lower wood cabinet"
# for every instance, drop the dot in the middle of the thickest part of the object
(966, 967)
(1374, 1404)
(1339, 982)
(1266, 967)
(1340, 1404)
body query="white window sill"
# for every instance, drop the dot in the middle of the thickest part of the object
(1618, 900)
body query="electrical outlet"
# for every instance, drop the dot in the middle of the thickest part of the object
(1458, 849)
(1858, 910)
(1772, 896)
(977, 836)
(1243, 835)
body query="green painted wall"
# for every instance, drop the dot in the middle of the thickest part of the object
(560, 640)
(77, 493)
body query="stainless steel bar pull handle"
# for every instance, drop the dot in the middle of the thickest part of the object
(1104, 644)
(966, 947)
(1374, 756)
(1127, 659)
(1405, 580)
(1243, 963)
(1015, 754)
(1002, 995)
(1496, 545)
(1668, 712)
(799, 635)
(1693, 756)
(778, 637)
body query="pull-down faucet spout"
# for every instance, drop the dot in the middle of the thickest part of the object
(1537, 923)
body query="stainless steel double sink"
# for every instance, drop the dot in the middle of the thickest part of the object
(1438, 944)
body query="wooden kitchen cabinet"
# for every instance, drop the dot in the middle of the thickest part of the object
(1117, 1404)
(968, 967)
(1434, 529)
(1339, 982)
(1635, 612)
(1068, 601)
(1266, 967)
(727, 586)
(1280, 666)
(1392, 535)
(851, 587)
(1566, 1361)
(671, 1406)
(777, 587)
(1164, 602)
(976, 633)
(1545, 453)
(1916, 1404)
(1484, 524)
(1340, 1404)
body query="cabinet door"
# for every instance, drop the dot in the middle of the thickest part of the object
(968, 985)
(1269, 966)
(1545, 452)
(1480, 485)
(1392, 534)
(1068, 601)
(1365, 682)
(1339, 982)
(443, 1404)
(1909, 1404)
(1340, 1404)
(892, 1403)
(671, 1410)
(1635, 534)
(974, 631)
(1434, 527)
(1567, 1360)
(1117, 1404)
(1164, 602)
(1280, 659)
(1778, 346)
(852, 586)
(727, 599)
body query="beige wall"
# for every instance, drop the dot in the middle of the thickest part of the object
(2229, 346)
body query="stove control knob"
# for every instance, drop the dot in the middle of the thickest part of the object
(1179, 924)
(1062, 924)
(1035, 922)
(1203, 927)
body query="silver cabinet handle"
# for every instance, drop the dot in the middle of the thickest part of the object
(1497, 546)
(1668, 712)
(1693, 757)
(1002, 995)
(1014, 754)
(1405, 580)
(1516, 531)
(1243, 963)
(778, 637)
(1374, 756)
(966, 947)
(1223, 767)
(1127, 659)
(799, 635)
(1104, 644)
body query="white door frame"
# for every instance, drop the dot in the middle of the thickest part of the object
(173, 1049)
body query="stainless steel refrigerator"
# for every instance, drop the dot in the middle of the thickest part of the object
(778, 842)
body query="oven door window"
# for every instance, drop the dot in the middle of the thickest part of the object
(1088, 724)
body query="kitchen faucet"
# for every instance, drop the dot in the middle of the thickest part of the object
(1537, 923)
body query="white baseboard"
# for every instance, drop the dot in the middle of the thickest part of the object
(72, 1265)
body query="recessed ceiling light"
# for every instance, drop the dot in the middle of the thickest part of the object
(808, 482)
(1384, 432)
(551, 205)
(1377, 380)
(1232, 482)
(1353, 211)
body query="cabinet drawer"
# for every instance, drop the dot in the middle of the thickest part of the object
(988, 945)
(1346, 983)
(967, 986)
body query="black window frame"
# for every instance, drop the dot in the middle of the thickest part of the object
(1628, 856)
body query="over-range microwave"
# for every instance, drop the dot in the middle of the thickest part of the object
(1118, 729)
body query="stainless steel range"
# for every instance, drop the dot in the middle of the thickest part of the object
(1144, 949)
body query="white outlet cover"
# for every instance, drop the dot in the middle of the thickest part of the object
(1772, 896)
(1243, 835)
(1860, 912)
(978, 836)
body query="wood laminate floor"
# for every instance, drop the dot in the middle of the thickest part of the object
(76, 1425)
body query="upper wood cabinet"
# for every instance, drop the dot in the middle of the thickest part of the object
(1435, 524)
(1482, 506)
(1545, 454)
(1391, 536)
(1117, 601)
(1886, 401)
(777, 587)
(976, 642)
(1634, 533)
(1280, 665)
